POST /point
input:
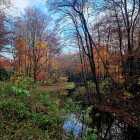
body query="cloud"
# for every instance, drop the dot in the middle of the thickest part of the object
(20, 5)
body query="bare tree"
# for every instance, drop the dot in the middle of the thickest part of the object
(4, 5)
(78, 12)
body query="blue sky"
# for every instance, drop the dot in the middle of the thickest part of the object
(20, 5)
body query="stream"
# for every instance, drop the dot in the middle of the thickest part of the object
(73, 124)
(110, 128)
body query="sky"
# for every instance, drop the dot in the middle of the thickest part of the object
(20, 5)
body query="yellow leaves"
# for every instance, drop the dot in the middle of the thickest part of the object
(128, 95)
(43, 45)
(121, 78)
(25, 125)
(63, 79)
(63, 92)
(104, 53)
(15, 77)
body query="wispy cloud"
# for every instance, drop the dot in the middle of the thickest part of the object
(20, 5)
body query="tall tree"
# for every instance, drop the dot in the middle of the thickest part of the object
(77, 11)
(34, 45)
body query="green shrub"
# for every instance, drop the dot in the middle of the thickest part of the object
(12, 108)
(19, 91)
(71, 85)
(28, 117)
(90, 134)
(21, 81)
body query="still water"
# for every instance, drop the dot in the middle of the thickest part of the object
(109, 128)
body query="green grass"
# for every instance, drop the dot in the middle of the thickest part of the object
(71, 85)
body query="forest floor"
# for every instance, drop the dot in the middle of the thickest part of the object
(54, 87)
(64, 86)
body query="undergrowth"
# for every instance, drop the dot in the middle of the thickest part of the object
(28, 112)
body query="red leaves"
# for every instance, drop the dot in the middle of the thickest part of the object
(118, 106)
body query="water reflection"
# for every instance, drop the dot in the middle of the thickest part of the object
(108, 128)
(73, 124)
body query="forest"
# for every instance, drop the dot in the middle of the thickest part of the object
(70, 70)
